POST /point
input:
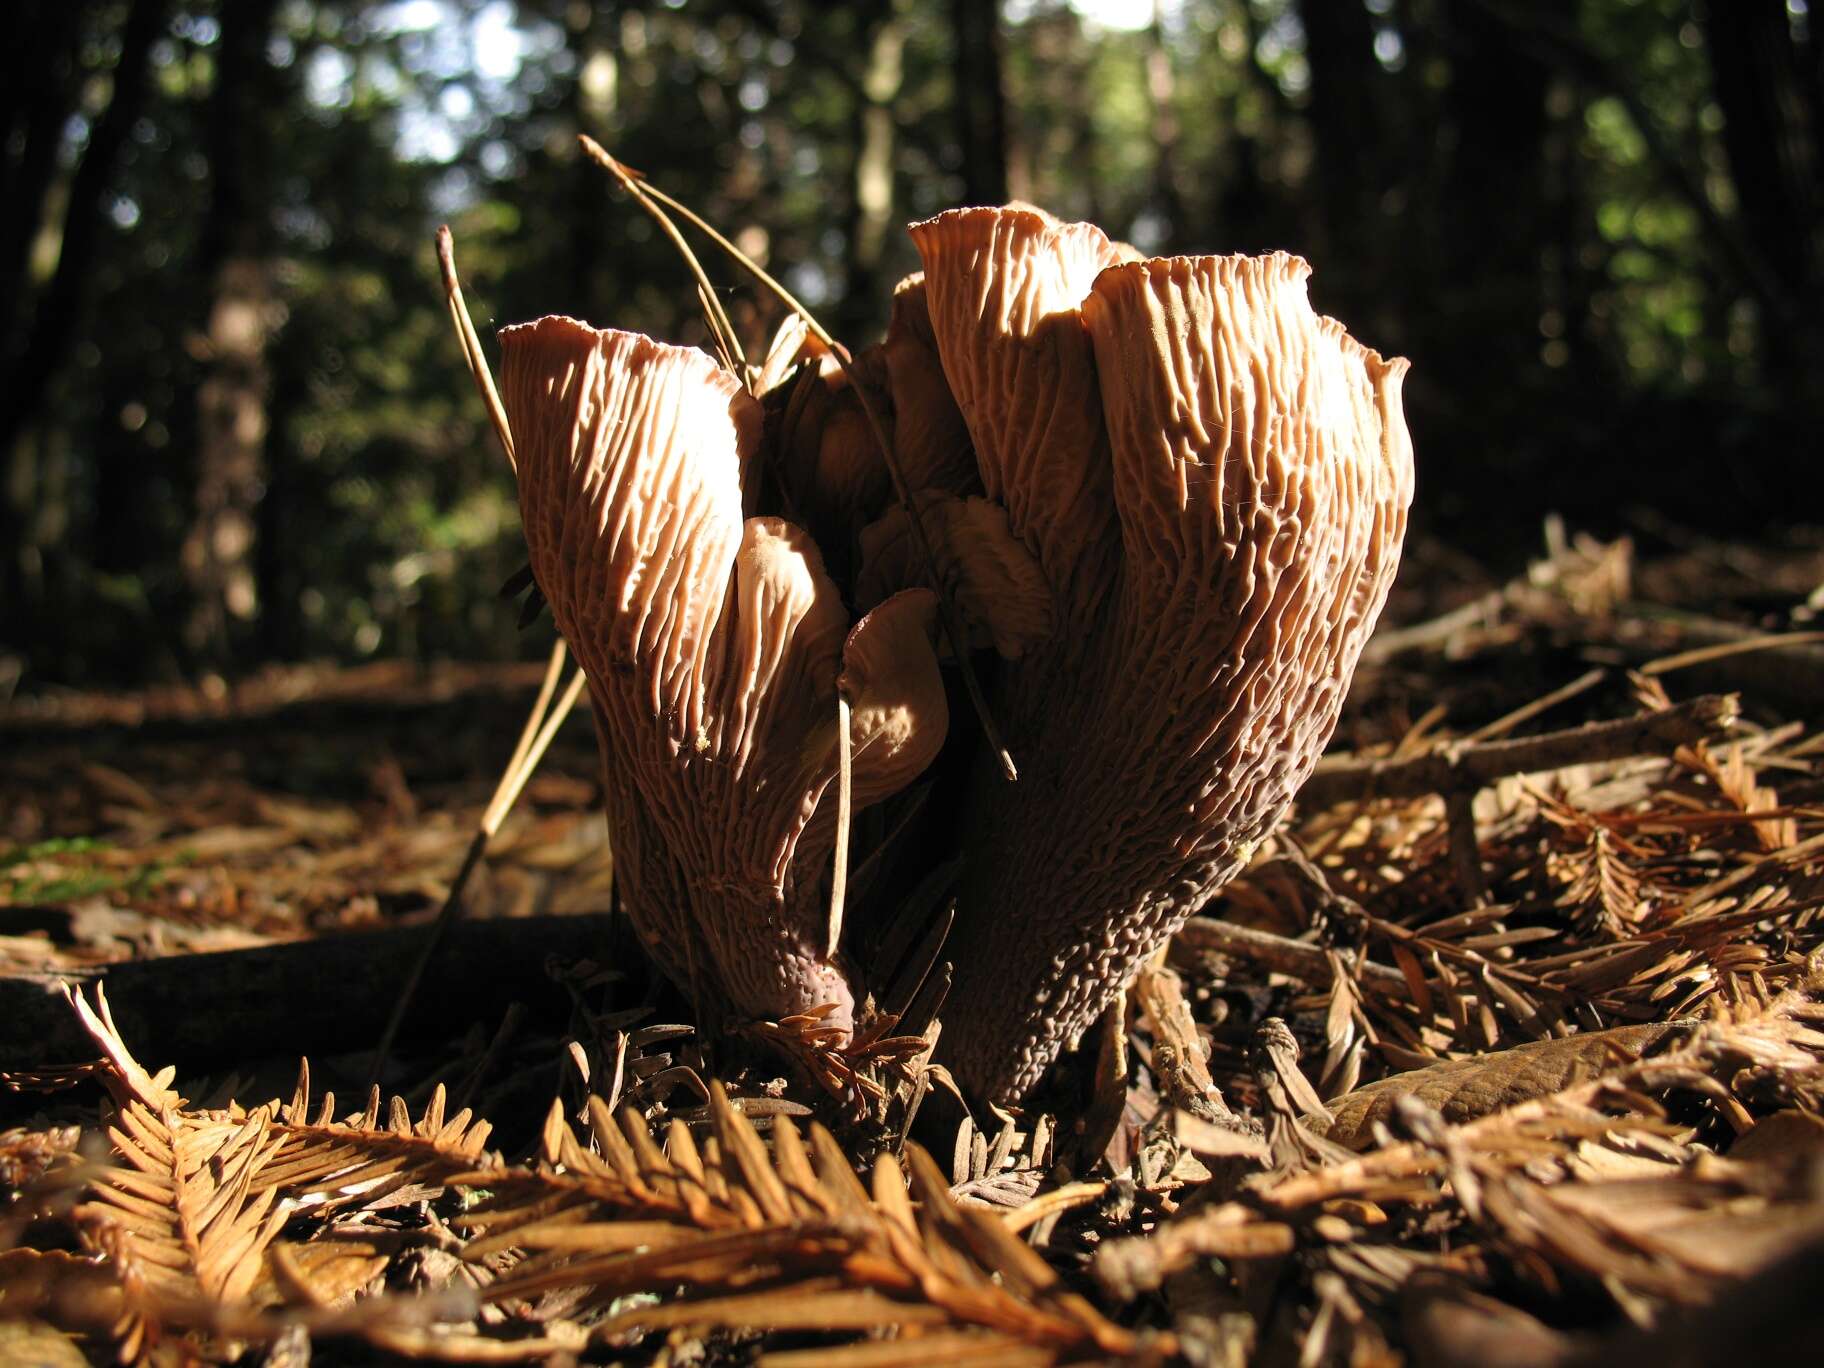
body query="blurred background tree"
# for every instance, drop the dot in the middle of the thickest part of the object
(234, 428)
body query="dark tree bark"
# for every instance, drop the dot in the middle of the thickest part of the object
(1769, 115)
(1346, 128)
(1254, 208)
(218, 552)
(33, 352)
(1496, 204)
(882, 31)
(980, 104)
(37, 91)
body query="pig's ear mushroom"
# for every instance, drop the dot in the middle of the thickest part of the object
(1002, 288)
(1259, 475)
(829, 461)
(930, 438)
(712, 647)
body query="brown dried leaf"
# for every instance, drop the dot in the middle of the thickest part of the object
(1462, 1089)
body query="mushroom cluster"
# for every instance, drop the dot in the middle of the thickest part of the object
(1165, 498)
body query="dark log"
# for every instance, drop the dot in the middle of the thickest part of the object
(316, 997)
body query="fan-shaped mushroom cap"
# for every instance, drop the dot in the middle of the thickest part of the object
(713, 647)
(1002, 287)
(1253, 482)
(930, 438)
(829, 460)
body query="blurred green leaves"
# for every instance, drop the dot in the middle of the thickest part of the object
(385, 519)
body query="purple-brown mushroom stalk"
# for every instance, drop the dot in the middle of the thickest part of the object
(714, 647)
(1211, 481)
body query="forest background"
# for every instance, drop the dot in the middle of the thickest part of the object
(235, 427)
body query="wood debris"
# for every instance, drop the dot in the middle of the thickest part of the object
(1511, 1039)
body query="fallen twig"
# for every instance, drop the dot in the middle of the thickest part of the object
(1280, 954)
(1458, 768)
(1178, 1061)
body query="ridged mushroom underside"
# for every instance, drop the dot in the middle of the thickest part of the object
(1002, 288)
(1258, 475)
(713, 646)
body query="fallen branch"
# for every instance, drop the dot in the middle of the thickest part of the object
(292, 695)
(316, 997)
(1282, 955)
(1459, 768)
(1779, 668)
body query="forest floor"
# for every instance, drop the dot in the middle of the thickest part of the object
(1514, 1036)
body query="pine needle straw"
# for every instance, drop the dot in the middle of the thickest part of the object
(534, 740)
(839, 876)
(471, 344)
(1703, 655)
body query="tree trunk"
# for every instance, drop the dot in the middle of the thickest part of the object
(1768, 120)
(980, 102)
(45, 346)
(1346, 128)
(1161, 93)
(37, 92)
(1496, 201)
(39, 348)
(590, 99)
(218, 552)
(871, 207)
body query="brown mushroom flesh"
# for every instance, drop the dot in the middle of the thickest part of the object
(1215, 481)
(714, 646)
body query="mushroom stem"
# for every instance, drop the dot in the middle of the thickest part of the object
(845, 793)
(650, 197)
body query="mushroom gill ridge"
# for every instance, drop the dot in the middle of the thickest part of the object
(1002, 288)
(713, 647)
(1258, 477)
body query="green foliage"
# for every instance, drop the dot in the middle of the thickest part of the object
(1536, 202)
(67, 868)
